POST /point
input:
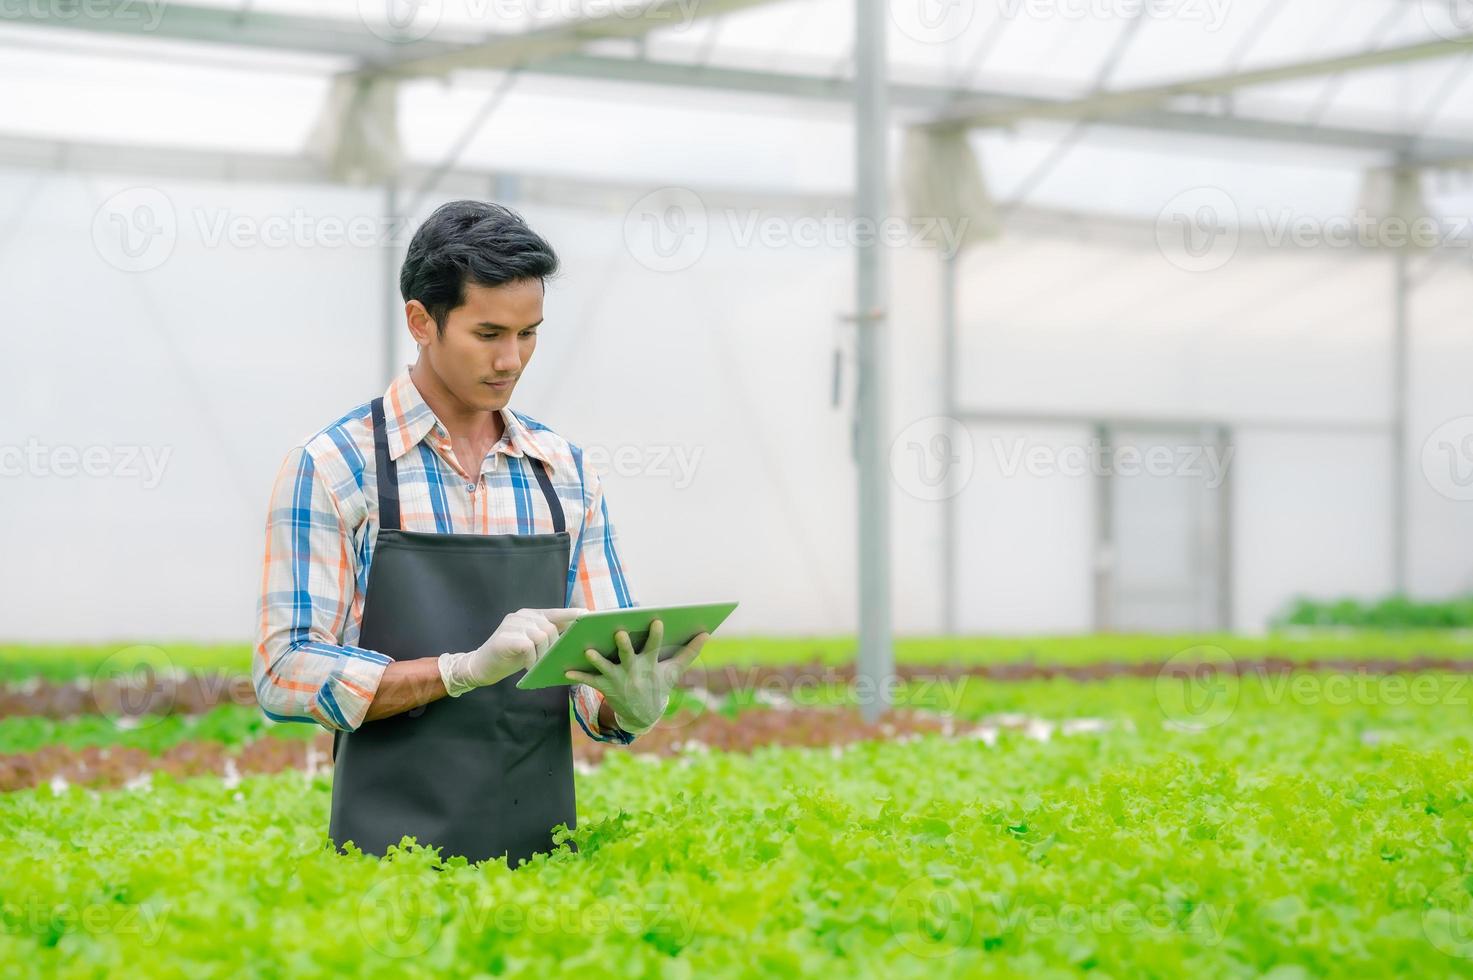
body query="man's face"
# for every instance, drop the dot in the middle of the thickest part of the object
(487, 342)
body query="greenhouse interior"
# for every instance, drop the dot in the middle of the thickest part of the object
(1056, 349)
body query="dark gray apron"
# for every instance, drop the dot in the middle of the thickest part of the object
(486, 774)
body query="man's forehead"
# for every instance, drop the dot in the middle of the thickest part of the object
(509, 305)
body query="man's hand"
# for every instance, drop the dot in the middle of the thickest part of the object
(522, 637)
(638, 686)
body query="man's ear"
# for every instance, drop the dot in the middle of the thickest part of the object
(421, 324)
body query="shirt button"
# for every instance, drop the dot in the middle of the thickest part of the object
(470, 487)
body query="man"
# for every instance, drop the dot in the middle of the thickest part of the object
(426, 548)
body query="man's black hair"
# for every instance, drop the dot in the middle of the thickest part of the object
(470, 241)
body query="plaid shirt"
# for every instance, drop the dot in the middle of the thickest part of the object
(323, 521)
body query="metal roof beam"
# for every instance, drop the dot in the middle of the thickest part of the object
(350, 40)
(983, 113)
(929, 101)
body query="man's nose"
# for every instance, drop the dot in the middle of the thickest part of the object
(507, 357)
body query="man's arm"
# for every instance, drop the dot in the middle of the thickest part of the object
(406, 684)
(308, 579)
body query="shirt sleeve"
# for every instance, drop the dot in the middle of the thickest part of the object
(597, 582)
(300, 670)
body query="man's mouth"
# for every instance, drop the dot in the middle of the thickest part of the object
(501, 385)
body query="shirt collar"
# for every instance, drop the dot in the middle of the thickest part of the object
(408, 418)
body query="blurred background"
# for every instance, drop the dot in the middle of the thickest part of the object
(1175, 294)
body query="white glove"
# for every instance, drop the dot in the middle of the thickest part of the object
(638, 686)
(522, 637)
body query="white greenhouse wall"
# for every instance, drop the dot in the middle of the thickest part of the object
(227, 354)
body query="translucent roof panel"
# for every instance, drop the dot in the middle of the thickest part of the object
(259, 85)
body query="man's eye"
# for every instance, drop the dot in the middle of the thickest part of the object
(529, 333)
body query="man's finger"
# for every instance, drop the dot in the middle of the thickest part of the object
(543, 634)
(682, 660)
(592, 680)
(563, 617)
(603, 666)
(656, 638)
(626, 648)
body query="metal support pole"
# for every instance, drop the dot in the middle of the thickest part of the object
(393, 317)
(876, 664)
(1399, 462)
(1104, 553)
(948, 410)
(1225, 531)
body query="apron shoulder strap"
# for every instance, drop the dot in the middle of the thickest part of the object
(388, 471)
(559, 523)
